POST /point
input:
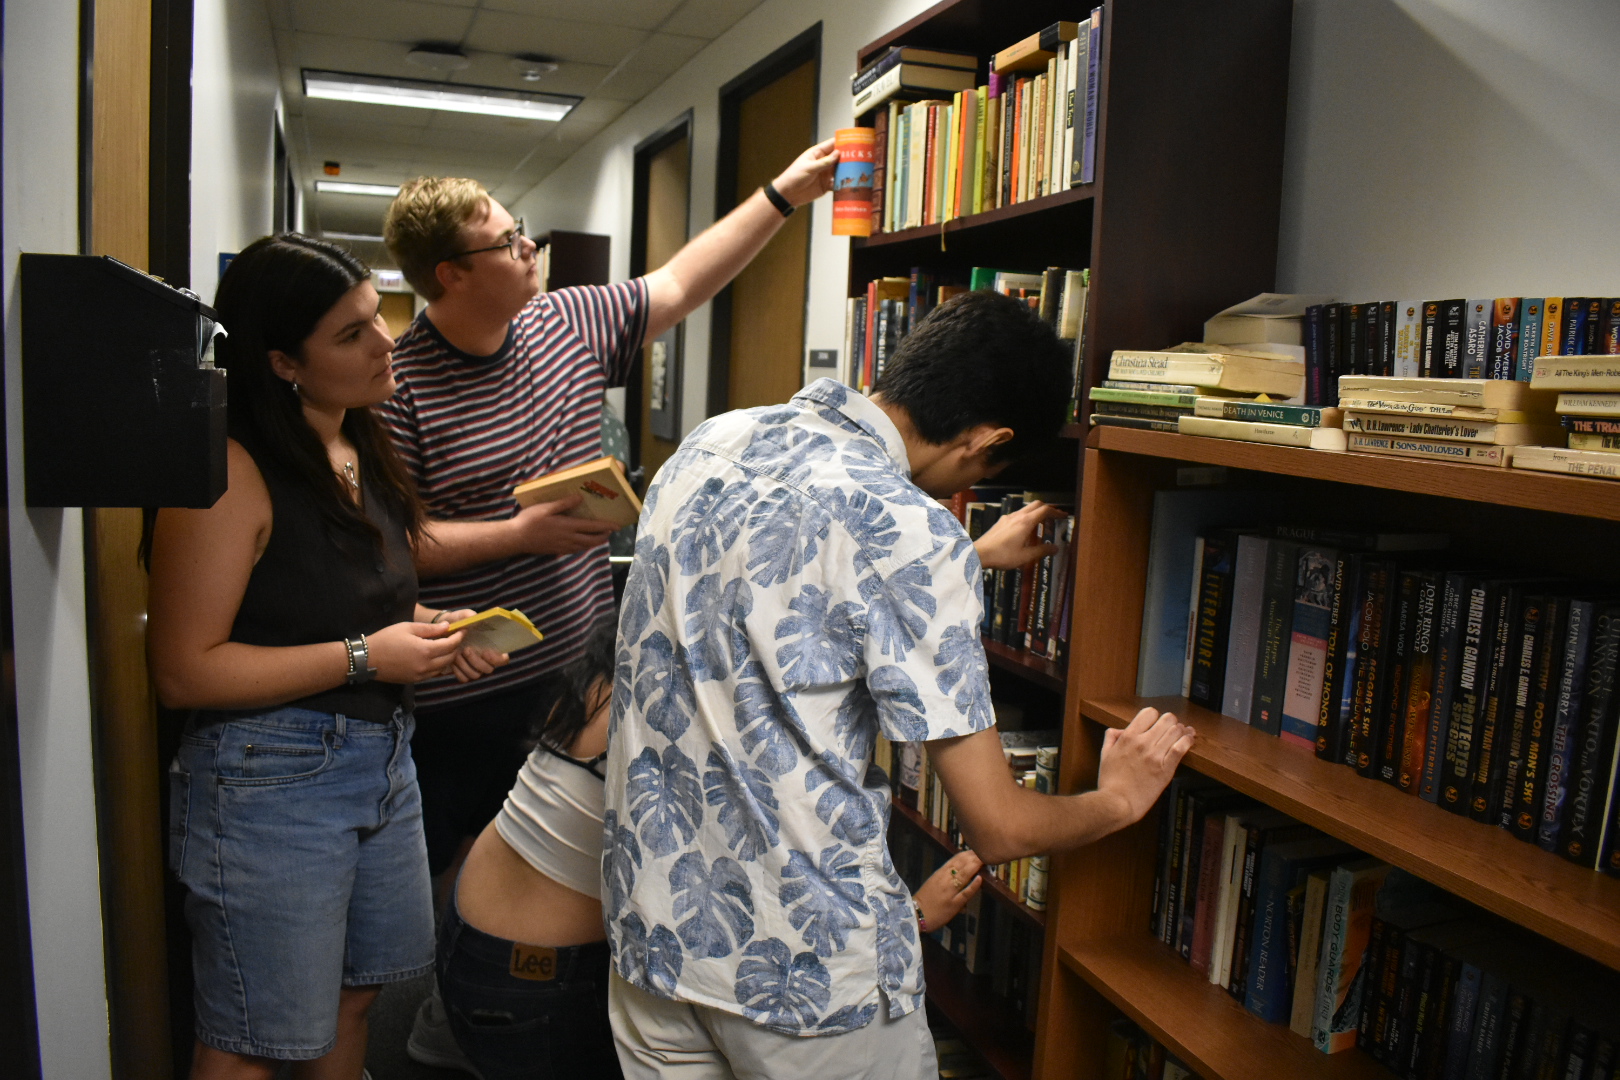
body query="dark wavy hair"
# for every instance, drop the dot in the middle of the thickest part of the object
(270, 298)
(571, 710)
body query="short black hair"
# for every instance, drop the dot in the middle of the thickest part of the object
(982, 358)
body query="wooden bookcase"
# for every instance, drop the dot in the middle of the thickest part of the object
(1101, 958)
(1180, 222)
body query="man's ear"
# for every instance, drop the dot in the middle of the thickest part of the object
(447, 273)
(985, 438)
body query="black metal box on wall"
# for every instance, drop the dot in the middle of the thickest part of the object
(121, 403)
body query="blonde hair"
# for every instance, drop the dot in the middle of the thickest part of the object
(424, 222)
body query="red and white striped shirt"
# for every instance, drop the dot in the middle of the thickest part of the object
(471, 428)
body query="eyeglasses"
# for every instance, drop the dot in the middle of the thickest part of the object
(512, 244)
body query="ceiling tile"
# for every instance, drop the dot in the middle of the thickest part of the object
(495, 69)
(381, 20)
(659, 57)
(590, 43)
(708, 18)
(320, 110)
(636, 14)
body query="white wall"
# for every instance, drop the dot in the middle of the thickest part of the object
(39, 160)
(234, 97)
(1443, 148)
(591, 191)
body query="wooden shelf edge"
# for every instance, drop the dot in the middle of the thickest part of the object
(1576, 495)
(988, 1023)
(1202, 1024)
(1572, 905)
(995, 888)
(974, 221)
(1037, 669)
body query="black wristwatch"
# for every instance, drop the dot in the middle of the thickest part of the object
(360, 669)
(778, 200)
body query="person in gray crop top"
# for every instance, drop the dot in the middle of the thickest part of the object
(285, 618)
(523, 958)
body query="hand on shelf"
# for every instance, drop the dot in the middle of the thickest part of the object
(1006, 545)
(810, 176)
(1139, 760)
(944, 895)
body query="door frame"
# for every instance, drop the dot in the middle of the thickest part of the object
(804, 47)
(647, 149)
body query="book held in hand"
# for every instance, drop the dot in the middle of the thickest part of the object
(500, 629)
(601, 483)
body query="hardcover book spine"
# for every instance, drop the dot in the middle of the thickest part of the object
(1355, 340)
(1392, 706)
(1315, 376)
(1566, 712)
(1249, 575)
(1448, 643)
(1307, 646)
(1592, 328)
(1214, 616)
(1428, 359)
(1500, 680)
(1388, 325)
(1419, 691)
(1371, 363)
(1209, 880)
(1460, 1022)
(1372, 663)
(1241, 942)
(1408, 339)
(1611, 326)
(1572, 334)
(1271, 658)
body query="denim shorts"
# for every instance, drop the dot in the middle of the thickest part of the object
(298, 836)
(526, 1011)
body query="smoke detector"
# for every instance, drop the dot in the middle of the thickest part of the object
(438, 57)
(531, 67)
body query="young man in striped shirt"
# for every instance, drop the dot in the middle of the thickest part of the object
(499, 384)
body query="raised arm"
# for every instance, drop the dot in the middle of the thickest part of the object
(1003, 821)
(706, 264)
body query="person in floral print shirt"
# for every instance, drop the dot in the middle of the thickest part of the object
(798, 590)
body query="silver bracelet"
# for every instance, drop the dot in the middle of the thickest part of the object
(360, 669)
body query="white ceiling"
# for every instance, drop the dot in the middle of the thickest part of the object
(611, 52)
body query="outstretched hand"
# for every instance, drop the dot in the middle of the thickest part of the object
(1009, 543)
(1139, 760)
(944, 895)
(810, 176)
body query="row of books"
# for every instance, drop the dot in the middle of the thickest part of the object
(1032, 757)
(1306, 931)
(1133, 1054)
(1029, 131)
(1588, 410)
(876, 321)
(1029, 608)
(1493, 697)
(990, 940)
(1487, 338)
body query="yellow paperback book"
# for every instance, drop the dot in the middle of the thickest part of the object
(501, 629)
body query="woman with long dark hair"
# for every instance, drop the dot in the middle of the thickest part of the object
(285, 616)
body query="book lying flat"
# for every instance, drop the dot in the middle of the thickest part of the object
(1381, 404)
(1432, 449)
(1576, 373)
(601, 483)
(1474, 393)
(1452, 429)
(1598, 463)
(1589, 404)
(500, 629)
(1248, 372)
(1315, 438)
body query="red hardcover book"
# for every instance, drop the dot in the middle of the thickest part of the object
(871, 333)
(930, 149)
(880, 166)
(1209, 877)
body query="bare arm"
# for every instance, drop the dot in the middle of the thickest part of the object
(201, 562)
(705, 265)
(542, 529)
(1003, 821)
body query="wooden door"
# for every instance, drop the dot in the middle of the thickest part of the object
(669, 194)
(766, 363)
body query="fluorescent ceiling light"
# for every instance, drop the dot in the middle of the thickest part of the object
(419, 94)
(362, 237)
(341, 187)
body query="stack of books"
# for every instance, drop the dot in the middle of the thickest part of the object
(1306, 931)
(1487, 338)
(1588, 389)
(1479, 421)
(1029, 131)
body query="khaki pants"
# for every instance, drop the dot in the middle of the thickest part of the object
(672, 1040)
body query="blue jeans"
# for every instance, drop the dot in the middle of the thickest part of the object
(298, 836)
(522, 1011)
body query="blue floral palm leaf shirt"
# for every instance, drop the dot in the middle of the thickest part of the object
(793, 595)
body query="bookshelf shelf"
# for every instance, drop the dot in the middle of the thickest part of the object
(940, 235)
(986, 1020)
(1570, 904)
(1474, 483)
(991, 886)
(1202, 1024)
(1037, 669)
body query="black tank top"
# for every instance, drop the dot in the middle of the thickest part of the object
(310, 587)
